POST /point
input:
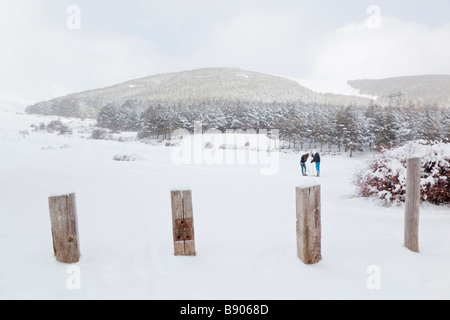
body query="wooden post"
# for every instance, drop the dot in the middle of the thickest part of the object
(309, 226)
(183, 223)
(412, 206)
(63, 216)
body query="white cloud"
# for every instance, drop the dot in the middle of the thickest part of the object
(48, 62)
(18, 15)
(397, 49)
(77, 62)
(259, 41)
(257, 33)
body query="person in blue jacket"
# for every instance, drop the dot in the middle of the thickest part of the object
(316, 159)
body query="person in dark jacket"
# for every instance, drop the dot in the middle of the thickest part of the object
(303, 163)
(316, 159)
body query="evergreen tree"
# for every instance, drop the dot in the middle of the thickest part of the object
(155, 122)
(374, 121)
(387, 136)
(431, 126)
(446, 120)
(128, 117)
(411, 124)
(107, 117)
(340, 127)
(320, 129)
(352, 135)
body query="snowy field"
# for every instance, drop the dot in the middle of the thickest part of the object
(245, 227)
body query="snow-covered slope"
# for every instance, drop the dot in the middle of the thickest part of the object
(245, 227)
(333, 87)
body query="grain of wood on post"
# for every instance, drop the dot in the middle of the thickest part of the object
(412, 206)
(183, 223)
(63, 217)
(309, 225)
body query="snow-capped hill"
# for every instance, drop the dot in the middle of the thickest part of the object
(196, 86)
(427, 89)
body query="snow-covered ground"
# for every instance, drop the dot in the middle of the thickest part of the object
(245, 225)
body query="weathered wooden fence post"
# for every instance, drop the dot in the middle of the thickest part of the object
(309, 226)
(63, 216)
(183, 223)
(412, 206)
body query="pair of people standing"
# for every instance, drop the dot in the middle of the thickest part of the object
(315, 159)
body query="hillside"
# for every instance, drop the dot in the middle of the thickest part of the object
(427, 89)
(197, 86)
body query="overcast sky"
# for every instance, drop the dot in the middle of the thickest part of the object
(119, 40)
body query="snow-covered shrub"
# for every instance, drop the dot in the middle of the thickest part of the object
(127, 157)
(24, 133)
(384, 176)
(64, 130)
(58, 126)
(53, 126)
(99, 134)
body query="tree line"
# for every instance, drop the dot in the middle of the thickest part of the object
(348, 128)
